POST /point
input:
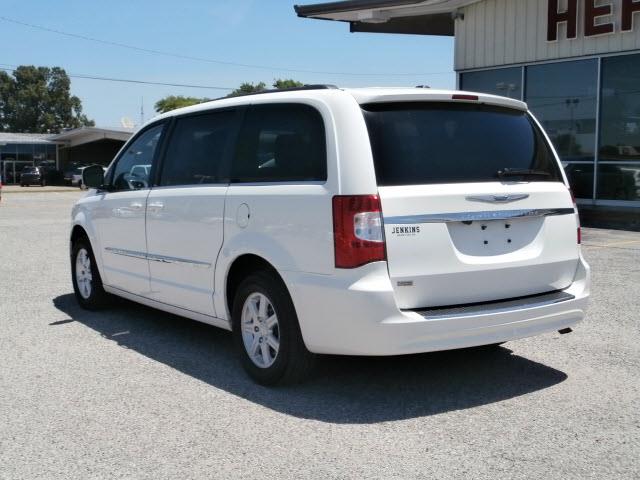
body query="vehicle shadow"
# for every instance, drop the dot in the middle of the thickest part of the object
(351, 390)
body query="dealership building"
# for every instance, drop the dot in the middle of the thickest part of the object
(78, 146)
(575, 62)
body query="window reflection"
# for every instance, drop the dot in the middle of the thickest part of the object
(563, 97)
(620, 136)
(580, 176)
(619, 181)
(503, 81)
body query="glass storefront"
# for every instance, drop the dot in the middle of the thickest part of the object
(506, 82)
(15, 156)
(601, 155)
(619, 155)
(563, 97)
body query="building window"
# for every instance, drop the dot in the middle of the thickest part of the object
(51, 152)
(25, 152)
(563, 96)
(580, 176)
(506, 82)
(620, 131)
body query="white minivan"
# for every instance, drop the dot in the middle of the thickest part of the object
(320, 220)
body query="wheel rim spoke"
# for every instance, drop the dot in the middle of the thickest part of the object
(262, 307)
(273, 342)
(252, 312)
(266, 355)
(255, 345)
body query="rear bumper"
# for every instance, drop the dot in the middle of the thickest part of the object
(359, 316)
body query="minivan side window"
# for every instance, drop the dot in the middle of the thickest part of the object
(196, 149)
(133, 167)
(281, 143)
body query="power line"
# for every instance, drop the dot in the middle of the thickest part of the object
(128, 80)
(210, 60)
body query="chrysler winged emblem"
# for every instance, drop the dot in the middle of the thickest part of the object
(498, 198)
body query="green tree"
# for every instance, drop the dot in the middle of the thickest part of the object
(281, 84)
(38, 100)
(246, 88)
(172, 102)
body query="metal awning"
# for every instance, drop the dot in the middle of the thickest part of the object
(82, 135)
(419, 17)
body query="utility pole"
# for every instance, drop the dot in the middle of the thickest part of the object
(141, 110)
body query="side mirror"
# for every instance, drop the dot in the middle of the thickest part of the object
(93, 176)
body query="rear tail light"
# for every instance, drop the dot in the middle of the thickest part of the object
(357, 230)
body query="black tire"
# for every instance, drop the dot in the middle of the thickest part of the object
(23, 184)
(293, 362)
(97, 298)
(43, 183)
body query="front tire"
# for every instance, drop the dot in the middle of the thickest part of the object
(87, 284)
(266, 332)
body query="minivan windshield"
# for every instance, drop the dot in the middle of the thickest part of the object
(446, 142)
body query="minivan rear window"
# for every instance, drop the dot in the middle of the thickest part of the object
(446, 142)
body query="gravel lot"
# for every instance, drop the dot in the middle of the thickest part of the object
(136, 393)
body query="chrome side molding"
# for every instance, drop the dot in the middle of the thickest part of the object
(126, 253)
(156, 258)
(477, 216)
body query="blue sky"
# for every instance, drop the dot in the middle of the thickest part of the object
(257, 32)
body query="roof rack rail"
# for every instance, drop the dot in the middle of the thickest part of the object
(319, 86)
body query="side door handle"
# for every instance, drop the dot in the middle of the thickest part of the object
(135, 206)
(155, 207)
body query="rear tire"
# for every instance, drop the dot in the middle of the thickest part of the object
(87, 283)
(266, 332)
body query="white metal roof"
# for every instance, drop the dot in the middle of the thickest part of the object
(361, 95)
(422, 17)
(82, 135)
(378, 11)
(28, 138)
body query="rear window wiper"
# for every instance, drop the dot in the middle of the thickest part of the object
(522, 172)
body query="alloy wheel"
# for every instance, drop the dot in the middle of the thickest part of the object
(260, 330)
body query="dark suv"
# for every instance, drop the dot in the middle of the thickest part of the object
(32, 176)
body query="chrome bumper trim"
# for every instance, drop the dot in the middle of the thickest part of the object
(484, 308)
(477, 216)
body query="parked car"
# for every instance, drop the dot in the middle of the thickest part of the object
(0, 186)
(32, 176)
(330, 221)
(69, 171)
(76, 177)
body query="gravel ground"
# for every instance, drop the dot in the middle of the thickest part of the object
(136, 393)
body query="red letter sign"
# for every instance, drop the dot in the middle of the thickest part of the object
(591, 12)
(554, 18)
(628, 9)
